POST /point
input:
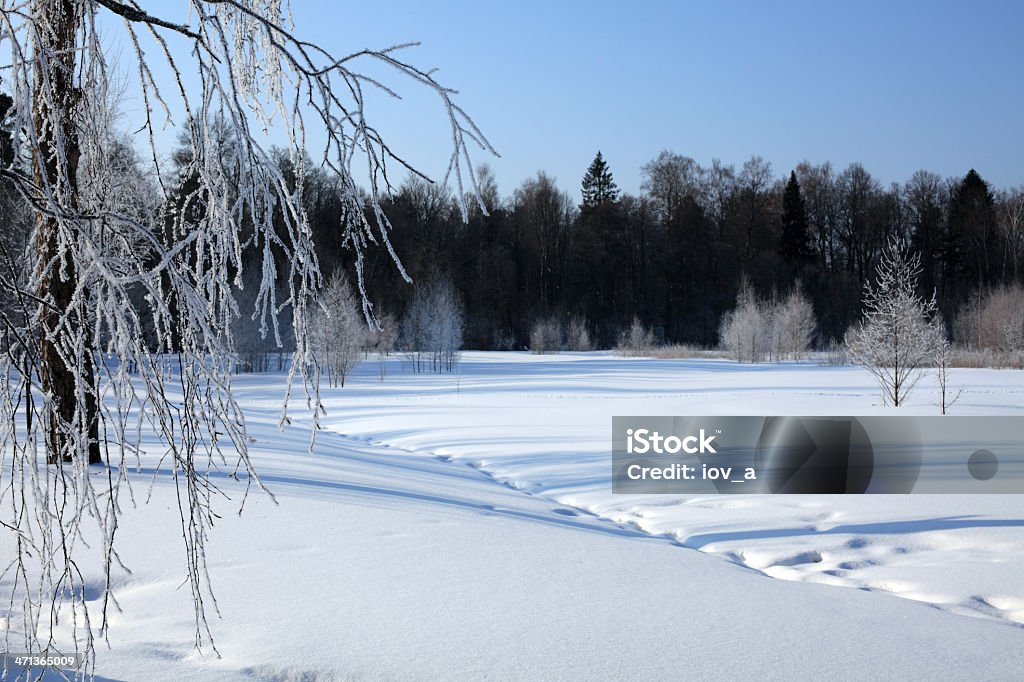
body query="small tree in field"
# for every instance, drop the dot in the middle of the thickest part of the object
(793, 324)
(745, 331)
(546, 336)
(339, 334)
(636, 340)
(943, 360)
(897, 338)
(577, 337)
(383, 340)
(432, 328)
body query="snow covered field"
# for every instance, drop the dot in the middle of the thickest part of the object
(462, 527)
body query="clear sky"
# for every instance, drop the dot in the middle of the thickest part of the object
(897, 86)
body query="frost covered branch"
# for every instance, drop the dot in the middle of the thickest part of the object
(117, 303)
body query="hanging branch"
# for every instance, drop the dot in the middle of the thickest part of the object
(122, 323)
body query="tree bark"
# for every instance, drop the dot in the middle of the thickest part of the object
(69, 382)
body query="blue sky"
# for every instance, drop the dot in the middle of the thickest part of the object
(895, 86)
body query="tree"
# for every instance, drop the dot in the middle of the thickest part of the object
(943, 362)
(636, 340)
(794, 244)
(577, 336)
(993, 320)
(598, 185)
(545, 336)
(1011, 223)
(432, 328)
(543, 217)
(897, 338)
(746, 330)
(93, 262)
(970, 237)
(339, 334)
(793, 324)
(926, 206)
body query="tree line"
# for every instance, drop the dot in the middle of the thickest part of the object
(685, 258)
(679, 254)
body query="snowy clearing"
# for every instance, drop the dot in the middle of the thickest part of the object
(396, 553)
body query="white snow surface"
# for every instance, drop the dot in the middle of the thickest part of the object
(462, 526)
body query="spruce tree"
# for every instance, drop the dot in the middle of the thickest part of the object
(598, 185)
(794, 243)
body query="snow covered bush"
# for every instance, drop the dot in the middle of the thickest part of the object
(577, 337)
(756, 330)
(746, 331)
(546, 336)
(432, 327)
(793, 325)
(898, 336)
(637, 340)
(339, 333)
(993, 320)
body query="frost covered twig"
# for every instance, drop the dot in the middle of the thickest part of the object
(117, 338)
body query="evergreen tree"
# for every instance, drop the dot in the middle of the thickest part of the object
(794, 243)
(598, 186)
(601, 257)
(968, 258)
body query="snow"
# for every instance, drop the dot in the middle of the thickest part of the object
(461, 526)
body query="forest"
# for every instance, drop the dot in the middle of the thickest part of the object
(675, 258)
(677, 255)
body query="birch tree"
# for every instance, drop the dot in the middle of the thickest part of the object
(339, 334)
(235, 68)
(897, 338)
(432, 327)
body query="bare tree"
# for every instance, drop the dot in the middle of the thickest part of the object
(756, 330)
(546, 336)
(577, 336)
(339, 334)
(793, 324)
(636, 340)
(943, 361)
(1011, 222)
(993, 320)
(93, 260)
(383, 340)
(432, 328)
(896, 340)
(745, 331)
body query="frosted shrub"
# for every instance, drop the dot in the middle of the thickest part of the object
(339, 334)
(546, 336)
(637, 340)
(756, 330)
(577, 338)
(432, 328)
(793, 325)
(993, 320)
(746, 332)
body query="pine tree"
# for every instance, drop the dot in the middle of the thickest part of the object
(968, 258)
(598, 186)
(794, 244)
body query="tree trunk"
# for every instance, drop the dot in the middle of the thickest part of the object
(70, 390)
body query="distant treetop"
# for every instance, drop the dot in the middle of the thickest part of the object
(598, 185)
